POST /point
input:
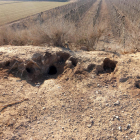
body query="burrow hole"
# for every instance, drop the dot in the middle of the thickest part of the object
(90, 67)
(137, 84)
(7, 63)
(74, 61)
(30, 70)
(52, 70)
(109, 65)
(63, 56)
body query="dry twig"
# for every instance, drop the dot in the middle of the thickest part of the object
(14, 103)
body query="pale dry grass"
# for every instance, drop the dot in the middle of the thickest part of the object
(89, 41)
(54, 32)
(33, 36)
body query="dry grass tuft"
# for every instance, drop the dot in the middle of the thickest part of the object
(58, 38)
(56, 34)
(91, 40)
(32, 36)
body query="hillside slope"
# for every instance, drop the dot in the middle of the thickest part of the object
(54, 93)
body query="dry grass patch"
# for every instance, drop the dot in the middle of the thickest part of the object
(32, 36)
(58, 38)
(91, 40)
(57, 34)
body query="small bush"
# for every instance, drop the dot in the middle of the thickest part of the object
(32, 36)
(58, 38)
(56, 34)
(91, 40)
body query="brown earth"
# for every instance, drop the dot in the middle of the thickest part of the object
(54, 93)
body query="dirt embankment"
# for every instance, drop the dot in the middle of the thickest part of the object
(53, 93)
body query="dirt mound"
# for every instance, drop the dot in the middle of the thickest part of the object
(39, 66)
(55, 93)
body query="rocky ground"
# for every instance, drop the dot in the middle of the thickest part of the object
(54, 93)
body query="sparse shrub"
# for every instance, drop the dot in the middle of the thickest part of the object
(38, 36)
(58, 38)
(32, 36)
(5, 36)
(91, 40)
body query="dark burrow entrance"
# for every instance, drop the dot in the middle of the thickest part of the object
(109, 65)
(7, 63)
(52, 70)
(35, 71)
(30, 70)
(74, 61)
(137, 84)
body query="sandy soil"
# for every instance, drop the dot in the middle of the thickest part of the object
(92, 98)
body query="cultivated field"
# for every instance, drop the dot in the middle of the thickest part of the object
(11, 10)
(95, 24)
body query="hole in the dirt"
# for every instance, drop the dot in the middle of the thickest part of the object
(52, 70)
(63, 56)
(61, 60)
(30, 70)
(137, 84)
(74, 61)
(90, 67)
(109, 65)
(7, 64)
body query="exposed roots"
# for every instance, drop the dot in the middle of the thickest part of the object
(11, 104)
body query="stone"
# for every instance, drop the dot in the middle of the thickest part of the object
(68, 64)
(98, 92)
(89, 125)
(117, 117)
(37, 85)
(128, 126)
(120, 128)
(122, 80)
(117, 103)
(44, 108)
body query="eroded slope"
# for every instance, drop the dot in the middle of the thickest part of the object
(85, 95)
